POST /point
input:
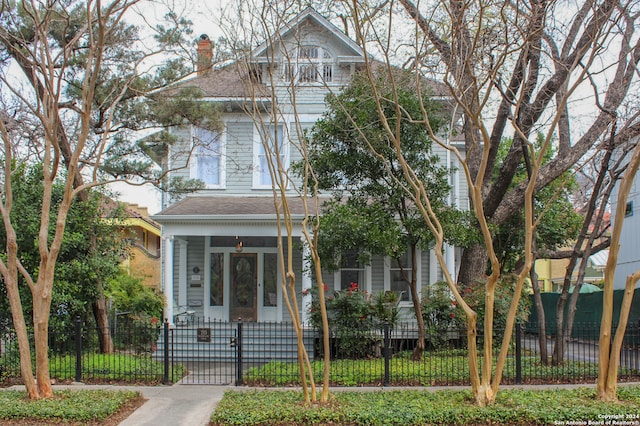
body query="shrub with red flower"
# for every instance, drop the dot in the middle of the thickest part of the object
(441, 313)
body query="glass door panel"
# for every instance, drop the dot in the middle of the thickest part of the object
(243, 292)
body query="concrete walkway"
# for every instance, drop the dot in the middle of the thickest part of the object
(176, 405)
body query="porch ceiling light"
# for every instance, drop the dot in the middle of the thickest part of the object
(239, 244)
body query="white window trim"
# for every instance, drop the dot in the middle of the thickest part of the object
(367, 272)
(193, 163)
(257, 149)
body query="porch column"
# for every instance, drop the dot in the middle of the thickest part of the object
(168, 279)
(182, 275)
(450, 259)
(433, 267)
(306, 280)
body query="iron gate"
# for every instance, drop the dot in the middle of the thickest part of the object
(203, 352)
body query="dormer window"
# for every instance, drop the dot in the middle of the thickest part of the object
(310, 64)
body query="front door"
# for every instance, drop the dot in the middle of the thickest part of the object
(243, 294)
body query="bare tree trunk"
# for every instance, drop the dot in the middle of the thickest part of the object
(560, 345)
(587, 237)
(608, 391)
(417, 308)
(100, 313)
(542, 321)
(19, 324)
(420, 344)
(99, 305)
(41, 306)
(473, 265)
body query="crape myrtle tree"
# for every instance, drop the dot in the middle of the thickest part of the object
(602, 173)
(558, 227)
(511, 69)
(82, 260)
(74, 74)
(355, 161)
(247, 25)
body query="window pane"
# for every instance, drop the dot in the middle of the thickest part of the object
(209, 169)
(308, 74)
(270, 279)
(208, 156)
(308, 52)
(350, 279)
(272, 138)
(265, 176)
(217, 279)
(276, 135)
(399, 285)
(327, 73)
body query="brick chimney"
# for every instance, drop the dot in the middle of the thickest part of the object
(205, 55)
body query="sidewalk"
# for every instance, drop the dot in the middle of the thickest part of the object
(179, 405)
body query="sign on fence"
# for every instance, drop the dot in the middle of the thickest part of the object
(204, 335)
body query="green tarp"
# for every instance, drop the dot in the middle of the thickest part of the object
(588, 312)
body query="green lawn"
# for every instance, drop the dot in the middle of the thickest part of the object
(104, 368)
(449, 368)
(414, 407)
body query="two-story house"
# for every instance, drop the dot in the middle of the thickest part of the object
(220, 255)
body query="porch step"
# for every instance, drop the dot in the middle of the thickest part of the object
(212, 342)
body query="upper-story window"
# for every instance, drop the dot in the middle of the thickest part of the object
(207, 163)
(270, 148)
(310, 64)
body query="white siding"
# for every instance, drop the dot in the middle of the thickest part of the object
(629, 254)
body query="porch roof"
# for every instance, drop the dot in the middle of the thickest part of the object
(228, 207)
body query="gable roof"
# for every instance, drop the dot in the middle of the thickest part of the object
(310, 14)
(234, 81)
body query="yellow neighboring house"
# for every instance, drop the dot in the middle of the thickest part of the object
(551, 271)
(143, 234)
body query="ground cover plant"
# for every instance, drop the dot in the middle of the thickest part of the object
(418, 407)
(102, 407)
(437, 368)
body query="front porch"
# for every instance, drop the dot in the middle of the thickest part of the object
(228, 278)
(221, 258)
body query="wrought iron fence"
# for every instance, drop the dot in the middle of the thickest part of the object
(76, 355)
(267, 354)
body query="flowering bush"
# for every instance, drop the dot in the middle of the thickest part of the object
(441, 313)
